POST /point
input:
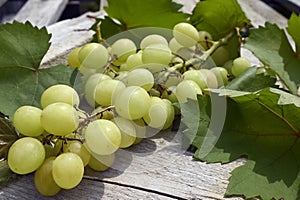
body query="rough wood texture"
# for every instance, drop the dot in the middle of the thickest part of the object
(41, 12)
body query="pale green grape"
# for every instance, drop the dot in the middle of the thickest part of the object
(157, 114)
(87, 71)
(153, 39)
(140, 128)
(59, 93)
(153, 67)
(60, 119)
(169, 94)
(79, 149)
(220, 56)
(140, 77)
(43, 179)
(197, 77)
(128, 133)
(54, 148)
(26, 155)
(101, 162)
(132, 103)
(174, 45)
(27, 121)
(108, 114)
(204, 38)
(121, 76)
(170, 112)
(211, 79)
(185, 34)
(67, 170)
(102, 137)
(187, 89)
(239, 65)
(157, 53)
(106, 90)
(73, 60)
(123, 48)
(132, 62)
(221, 75)
(90, 86)
(93, 55)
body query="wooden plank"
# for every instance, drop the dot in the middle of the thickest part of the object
(41, 12)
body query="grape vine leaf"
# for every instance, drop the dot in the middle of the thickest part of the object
(262, 126)
(136, 13)
(251, 80)
(293, 30)
(229, 15)
(7, 136)
(271, 46)
(21, 79)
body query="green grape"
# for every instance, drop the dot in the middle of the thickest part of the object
(140, 77)
(132, 62)
(153, 67)
(26, 155)
(221, 75)
(171, 114)
(102, 137)
(60, 119)
(128, 133)
(132, 103)
(174, 45)
(73, 60)
(185, 34)
(67, 170)
(157, 53)
(220, 56)
(77, 147)
(54, 148)
(197, 77)
(108, 114)
(153, 39)
(59, 93)
(87, 71)
(239, 65)
(123, 48)
(43, 179)
(169, 94)
(211, 79)
(187, 89)
(204, 38)
(101, 163)
(157, 114)
(93, 56)
(106, 90)
(27, 121)
(90, 86)
(140, 128)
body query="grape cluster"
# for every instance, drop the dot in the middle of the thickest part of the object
(131, 86)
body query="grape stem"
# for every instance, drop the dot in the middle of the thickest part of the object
(202, 58)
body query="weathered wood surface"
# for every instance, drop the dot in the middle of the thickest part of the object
(41, 12)
(157, 168)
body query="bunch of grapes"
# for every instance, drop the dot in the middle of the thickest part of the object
(131, 86)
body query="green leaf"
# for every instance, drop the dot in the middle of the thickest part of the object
(293, 29)
(21, 79)
(22, 45)
(263, 126)
(271, 46)
(218, 17)
(136, 13)
(7, 137)
(251, 81)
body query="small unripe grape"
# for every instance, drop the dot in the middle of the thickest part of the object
(239, 65)
(153, 39)
(73, 60)
(221, 75)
